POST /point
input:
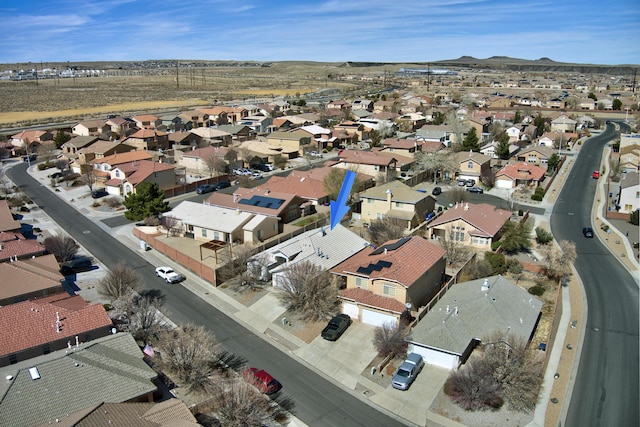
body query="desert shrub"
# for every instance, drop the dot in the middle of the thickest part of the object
(634, 217)
(536, 290)
(520, 212)
(496, 261)
(390, 339)
(495, 245)
(42, 166)
(476, 269)
(543, 236)
(514, 266)
(537, 197)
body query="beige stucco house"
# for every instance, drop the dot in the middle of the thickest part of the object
(397, 201)
(472, 165)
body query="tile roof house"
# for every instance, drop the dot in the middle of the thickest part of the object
(205, 222)
(474, 225)
(36, 327)
(13, 245)
(148, 139)
(469, 312)
(630, 153)
(322, 247)
(629, 191)
(383, 282)
(91, 128)
(30, 278)
(536, 155)
(371, 163)
(302, 183)
(259, 200)
(7, 221)
(213, 136)
(30, 139)
(395, 200)
(147, 121)
(472, 165)
(125, 177)
(98, 150)
(519, 174)
(402, 147)
(169, 413)
(58, 385)
(70, 148)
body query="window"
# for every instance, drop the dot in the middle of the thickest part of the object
(361, 282)
(388, 290)
(369, 200)
(470, 165)
(117, 173)
(204, 232)
(398, 204)
(457, 234)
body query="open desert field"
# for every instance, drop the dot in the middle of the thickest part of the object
(130, 91)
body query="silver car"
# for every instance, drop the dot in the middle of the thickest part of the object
(407, 372)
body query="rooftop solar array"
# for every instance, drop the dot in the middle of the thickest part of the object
(374, 267)
(263, 202)
(391, 246)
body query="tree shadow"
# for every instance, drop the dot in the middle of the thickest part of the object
(231, 360)
(154, 294)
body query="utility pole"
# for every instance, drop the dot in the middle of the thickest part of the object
(177, 75)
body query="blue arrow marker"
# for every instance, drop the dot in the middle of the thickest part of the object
(339, 208)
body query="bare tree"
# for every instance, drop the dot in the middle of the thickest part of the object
(383, 230)
(169, 223)
(442, 161)
(89, 175)
(280, 161)
(332, 183)
(120, 280)
(113, 202)
(46, 152)
(233, 260)
(64, 248)
(188, 352)
(62, 164)
(457, 195)
(238, 404)
(390, 339)
(215, 164)
(308, 290)
(454, 246)
(558, 260)
(138, 314)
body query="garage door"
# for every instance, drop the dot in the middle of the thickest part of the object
(504, 183)
(376, 318)
(351, 309)
(435, 357)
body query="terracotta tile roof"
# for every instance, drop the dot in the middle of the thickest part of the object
(28, 136)
(404, 261)
(143, 169)
(20, 247)
(7, 222)
(120, 158)
(486, 219)
(365, 157)
(234, 200)
(30, 275)
(465, 156)
(365, 297)
(146, 134)
(404, 144)
(305, 187)
(33, 323)
(432, 146)
(522, 170)
(145, 118)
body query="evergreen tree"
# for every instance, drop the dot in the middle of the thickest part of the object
(60, 138)
(502, 150)
(147, 201)
(471, 142)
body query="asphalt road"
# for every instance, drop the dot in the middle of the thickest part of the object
(316, 401)
(606, 386)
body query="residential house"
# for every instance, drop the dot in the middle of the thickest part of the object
(372, 163)
(259, 200)
(213, 136)
(14, 246)
(555, 103)
(120, 127)
(96, 151)
(205, 222)
(514, 133)
(195, 119)
(563, 124)
(260, 151)
(147, 121)
(410, 122)
(362, 104)
(470, 312)
(397, 201)
(629, 192)
(171, 122)
(356, 129)
(40, 326)
(183, 138)
(148, 139)
(520, 174)
(537, 155)
(52, 389)
(489, 149)
(472, 165)
(258, 123)
(29, 140)
(586, 104)
(436, 133)
(201, 161)
(630, 152)
(290, 140)
(309, 185)
(323, 247)
(339, 104)
(402, 147)
(475, 226)
(169, 413)
(318, 135)
(69, 150)
(381, 283)
(7, 220)
(238, 132)
(223, 114)
(91, 128)
(124, 178)
(29, 278)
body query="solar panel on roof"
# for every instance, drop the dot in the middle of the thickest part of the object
(391, 246)
(263, 202)
(363, 270)
(384, 264)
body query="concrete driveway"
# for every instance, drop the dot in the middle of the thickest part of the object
(344, 359)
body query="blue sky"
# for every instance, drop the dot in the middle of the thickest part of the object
(581, 31)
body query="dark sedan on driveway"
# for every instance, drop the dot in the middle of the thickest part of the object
(477, 190)
(336, 327)
(205, 188)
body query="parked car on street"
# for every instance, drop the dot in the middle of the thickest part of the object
(262, 380)
(470, 183)
(407, 372)
(223, 184)
(588, 232)
(475, 190)
(205, 188)
(336, 327)
(78, 264)
(436, 191)
(169, 275)
(595, 174)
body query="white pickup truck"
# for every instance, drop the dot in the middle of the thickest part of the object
(169, 275)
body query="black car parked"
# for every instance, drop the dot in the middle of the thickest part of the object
(96, 194)
(336, 327)
(205, 188)
(223, 184)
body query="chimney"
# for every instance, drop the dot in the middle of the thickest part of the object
(485, 285)
(389, 197)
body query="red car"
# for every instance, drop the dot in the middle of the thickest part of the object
(262, 380)
(595, 174)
